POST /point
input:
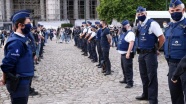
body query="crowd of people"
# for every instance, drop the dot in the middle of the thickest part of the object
(24, 47)
(63, 35)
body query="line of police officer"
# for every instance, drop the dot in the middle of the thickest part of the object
(92, 36)
(149, 40)
(18, 54)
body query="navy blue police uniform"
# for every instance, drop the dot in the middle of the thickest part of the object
(32, 44)
(147, 59)
(105, 45)
(81, 40)
(89, 44)
(17, 64)
(98, 44)
(42, 43)
(126, 64)
(181, 69)
(76, 33)
(84, 41)
(175, 50)
(93, 46)
(78, 38)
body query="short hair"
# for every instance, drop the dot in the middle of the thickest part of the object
(94, 29)
(21, 20)
(104, 22)
(183, 6)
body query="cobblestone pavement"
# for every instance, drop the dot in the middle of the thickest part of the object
(67, 77)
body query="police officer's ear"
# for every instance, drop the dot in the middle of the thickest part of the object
(20, 23)
(184, 10)
(22, 26)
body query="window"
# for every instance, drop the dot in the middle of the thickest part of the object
(81, 9)
(70, 9)
(33, 5)
(93, 4)
(61, 10)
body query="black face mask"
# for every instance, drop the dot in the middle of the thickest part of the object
(124, 29)
(101, 26)
(176, 16)
(27, 29)
(142, 18)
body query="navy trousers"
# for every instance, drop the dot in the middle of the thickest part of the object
(106, 59)
(177, 90)
(99, 51)
(81, 43)
(89, 49)
(76, 40)
(85, 46)
(127, 67)
(20, 96)
(148, 65)
(93, 50)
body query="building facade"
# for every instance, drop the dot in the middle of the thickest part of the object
(50, 10)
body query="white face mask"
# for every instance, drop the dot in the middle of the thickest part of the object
(164, 25)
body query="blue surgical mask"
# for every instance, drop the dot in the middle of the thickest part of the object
(176, 16)
(27, 28)
(142, 18)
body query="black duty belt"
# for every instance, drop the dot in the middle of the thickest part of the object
(123, 54)
(12, 77)
(176, 61)
(143, 51)
(25, 78)
(131, 54)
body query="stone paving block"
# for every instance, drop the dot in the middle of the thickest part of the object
(67, 77)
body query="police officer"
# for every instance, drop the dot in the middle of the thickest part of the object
(76, 33)
(98, 39)
(105, 45)
(92, 41)
(175, 50)
(180, 70)
(148, 36)
(125, 48)
(87, 37)
(82, 36)
(41, 43)
(78, 39)
(32, 44)
(17, 65)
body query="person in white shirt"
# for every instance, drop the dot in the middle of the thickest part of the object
(92, 42)
(125, 48)
(62, 35)
(84, 41)
(87, 37)
(148, 36)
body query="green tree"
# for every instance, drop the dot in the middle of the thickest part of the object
(126, 9)
(67, 25)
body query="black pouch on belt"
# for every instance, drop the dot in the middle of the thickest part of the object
(132, 54)
(14, 80)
